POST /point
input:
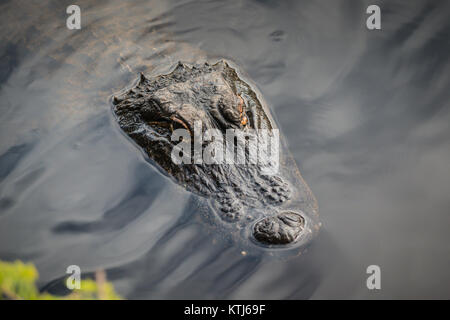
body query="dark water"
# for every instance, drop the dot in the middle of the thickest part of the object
(366, 115)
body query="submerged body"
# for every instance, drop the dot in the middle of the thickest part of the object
(277, 209)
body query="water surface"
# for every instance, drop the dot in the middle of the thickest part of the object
(366, 115)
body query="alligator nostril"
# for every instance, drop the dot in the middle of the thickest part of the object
(282, 228)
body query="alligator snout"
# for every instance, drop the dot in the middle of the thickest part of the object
(282, 228)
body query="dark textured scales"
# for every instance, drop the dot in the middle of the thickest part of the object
(216, 95)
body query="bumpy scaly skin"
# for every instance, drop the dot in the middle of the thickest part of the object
(215, 95)
(280, 229)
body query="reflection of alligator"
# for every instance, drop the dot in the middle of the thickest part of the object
(280, 208)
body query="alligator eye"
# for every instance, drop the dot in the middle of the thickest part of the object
(244, 120)
(179, 124)
(241, 108)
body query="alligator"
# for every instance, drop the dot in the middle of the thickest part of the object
(277, 208)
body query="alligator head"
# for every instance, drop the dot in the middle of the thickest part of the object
(212, 100)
